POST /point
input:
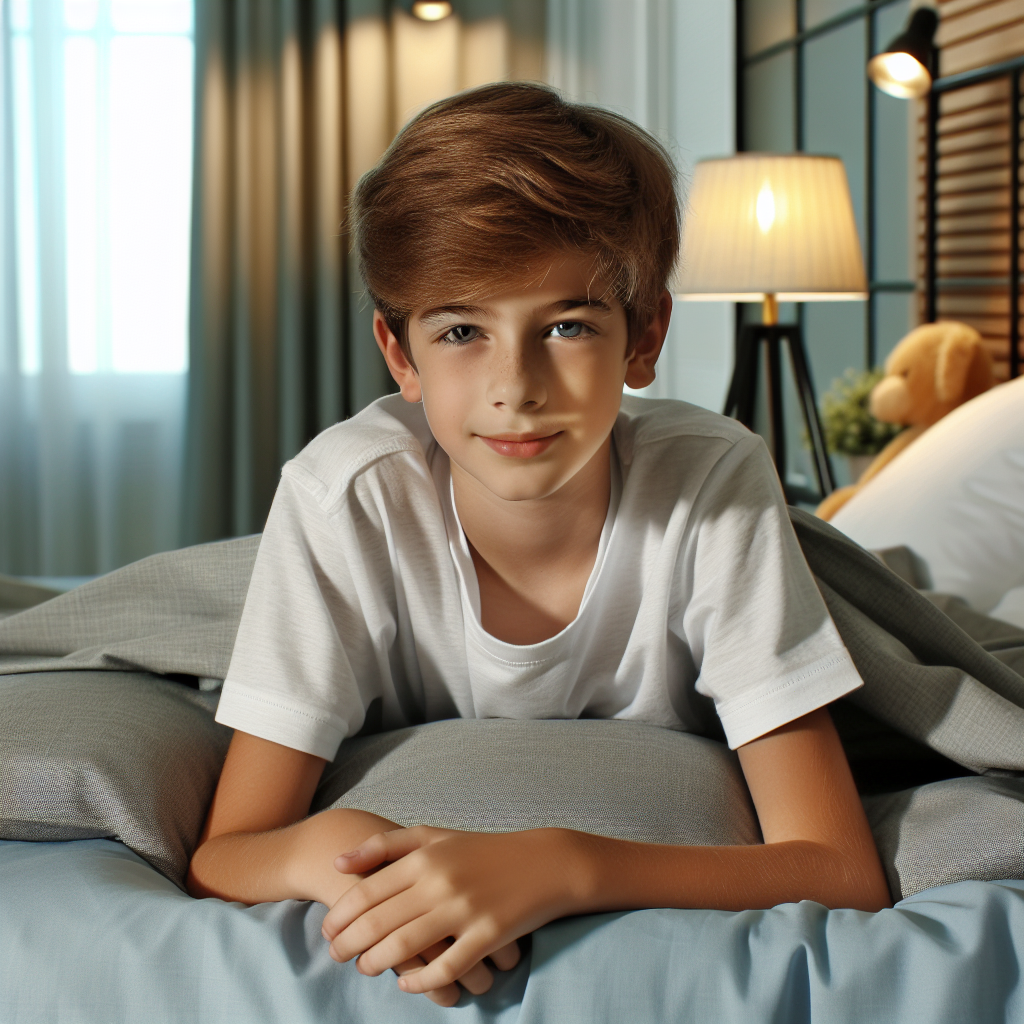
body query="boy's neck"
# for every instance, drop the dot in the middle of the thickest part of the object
(534, 557)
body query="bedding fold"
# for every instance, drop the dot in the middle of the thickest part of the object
(936, 704)
(177, 613)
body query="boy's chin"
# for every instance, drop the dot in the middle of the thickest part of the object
(524, 483)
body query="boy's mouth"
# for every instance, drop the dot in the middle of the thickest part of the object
(519, 446)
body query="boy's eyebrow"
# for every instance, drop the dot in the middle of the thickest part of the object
(566, 304)
(446, 312)
(439, 313)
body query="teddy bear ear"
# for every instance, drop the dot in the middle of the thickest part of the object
(955, 354)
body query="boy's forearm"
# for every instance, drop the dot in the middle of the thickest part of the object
(619, 875)
(296, 862)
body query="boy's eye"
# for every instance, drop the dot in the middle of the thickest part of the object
(460, 335)
(568, 329)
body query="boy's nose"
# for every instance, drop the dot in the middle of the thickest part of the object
(518, 382)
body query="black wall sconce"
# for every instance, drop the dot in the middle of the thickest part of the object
(907, 66)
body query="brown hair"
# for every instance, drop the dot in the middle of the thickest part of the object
(479, 186)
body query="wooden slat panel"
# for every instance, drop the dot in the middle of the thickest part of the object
(974, 182)
(973, 171)
(991, 326)
(991, 115)
(955, 8)
(995, 304)
(995, 199)
(977, 20)
(975, 159)
(973, 266)
(975, 53)
(993, 136)
(974, 96)
(997, 220)
(987, 243)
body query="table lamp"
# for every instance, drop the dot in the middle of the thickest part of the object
(772, 228)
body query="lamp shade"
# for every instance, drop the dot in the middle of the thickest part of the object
(762, 223)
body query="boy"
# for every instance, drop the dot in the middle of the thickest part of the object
(510, 538)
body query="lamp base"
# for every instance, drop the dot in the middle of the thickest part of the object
(743, 395)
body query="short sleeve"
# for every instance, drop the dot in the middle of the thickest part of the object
(766, 649)
(302, 671)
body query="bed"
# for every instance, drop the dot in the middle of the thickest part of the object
(107, 744)
(90, 933)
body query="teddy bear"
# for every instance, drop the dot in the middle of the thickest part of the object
(935, 368)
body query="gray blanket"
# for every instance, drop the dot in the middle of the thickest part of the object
(933, 670)
(942, 689)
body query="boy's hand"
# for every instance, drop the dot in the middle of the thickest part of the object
(478, 979)
(482, 890)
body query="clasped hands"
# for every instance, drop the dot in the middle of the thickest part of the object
(438, 901)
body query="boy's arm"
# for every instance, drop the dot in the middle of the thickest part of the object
(258, 845)
(486, 890)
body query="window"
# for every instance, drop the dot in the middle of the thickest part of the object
(102, 126)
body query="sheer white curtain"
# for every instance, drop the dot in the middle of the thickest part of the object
(95, 178)
(670, 66)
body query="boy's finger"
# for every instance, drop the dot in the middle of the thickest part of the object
(368, 854)
(478, 979)
(448, 967)
(446, 996)
(505, 958)
(474, 980)
(398, 943)
(362, 898)
(377, 926)
(386, 846)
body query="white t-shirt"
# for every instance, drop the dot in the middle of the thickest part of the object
(699, 601)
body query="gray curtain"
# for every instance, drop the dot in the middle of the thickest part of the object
(271, 348)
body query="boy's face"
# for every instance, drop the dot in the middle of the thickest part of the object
(522, 388)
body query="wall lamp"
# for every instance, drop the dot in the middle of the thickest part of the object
(906, 67)
(431, 10)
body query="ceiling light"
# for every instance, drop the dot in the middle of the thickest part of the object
(431, 10)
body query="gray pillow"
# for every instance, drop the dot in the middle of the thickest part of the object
(949, 831)
(125, 755)
(135, 757)
(619, 779)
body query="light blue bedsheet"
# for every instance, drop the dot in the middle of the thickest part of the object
(90, 933)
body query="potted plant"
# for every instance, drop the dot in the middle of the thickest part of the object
(850, 429)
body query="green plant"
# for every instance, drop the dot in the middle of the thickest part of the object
(850, 429)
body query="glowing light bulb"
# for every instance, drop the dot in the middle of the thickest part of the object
(902, 67)
(431, 10)
(900, 74)
(765, 208)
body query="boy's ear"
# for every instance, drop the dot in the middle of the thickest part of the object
(399, 364)
(640, 365)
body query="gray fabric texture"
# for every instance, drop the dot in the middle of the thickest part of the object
(924, 675)
(616, 779)
(125, 755)
(172, 613)
(948, 831)
(177, 613)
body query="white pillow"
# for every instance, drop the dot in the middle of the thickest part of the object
(956, 498)
(1011, 607)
